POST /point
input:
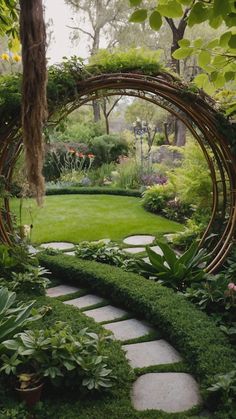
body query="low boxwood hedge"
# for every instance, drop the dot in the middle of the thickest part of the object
(93, 191)
(191, 331)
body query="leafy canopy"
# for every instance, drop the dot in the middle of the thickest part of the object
(216, 58)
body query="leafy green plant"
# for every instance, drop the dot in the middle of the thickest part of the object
(155, 197)
(15, 258)
(29, 282)
(177, 211)
(14, 316)
(58, 355)
(105, 253)
(225, 384)
(174, 271)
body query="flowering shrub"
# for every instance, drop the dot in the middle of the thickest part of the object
(153, 179)
(178, 211)
(155, 197)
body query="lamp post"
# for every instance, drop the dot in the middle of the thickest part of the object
(139, 128)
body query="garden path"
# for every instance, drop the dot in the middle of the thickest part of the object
(167, 391)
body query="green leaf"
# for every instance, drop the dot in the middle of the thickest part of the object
(138, 16)
(171, 9)
(134, 3)
(198, 43)
(204, 58)
(155, 20)
(168, 253)
(229, 75)
(200, 79)
(224, 39)
(220, 7)
(232, 42)
(184, 43)
(215, 22)
(220, 81)
(212, 44)
(199, 13)
(185, 2)
(189, 254)
(181, 53)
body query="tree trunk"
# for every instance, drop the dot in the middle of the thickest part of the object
(34, 102)
(96, 111)
(167, 141)
(180, 133)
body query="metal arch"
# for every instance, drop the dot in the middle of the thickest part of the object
(197, 113)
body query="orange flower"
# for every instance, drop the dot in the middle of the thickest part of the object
(71, 150)
(91, 156)
(81, 155)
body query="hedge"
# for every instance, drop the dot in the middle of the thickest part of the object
(191, 331)
(93, 191)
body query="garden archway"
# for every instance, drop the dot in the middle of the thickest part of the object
(193, 107)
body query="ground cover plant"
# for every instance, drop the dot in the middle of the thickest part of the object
(76, 218)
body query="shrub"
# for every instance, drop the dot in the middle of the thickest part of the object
(105, 253)
(102, 174)
(155, 197)
(178, 211)
(192, 180)
(191, 331)
(128, 175)
(107, 148)
(31, 282)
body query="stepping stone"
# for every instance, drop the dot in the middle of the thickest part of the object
(70, 253)
(129, 329)
(57, 245)
(61, 290)
(85, 301)
(170, 392)
(156, 352)
(139, 240)
(106, 313)
(134, 249)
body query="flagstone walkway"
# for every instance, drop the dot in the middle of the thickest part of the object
(167, 391)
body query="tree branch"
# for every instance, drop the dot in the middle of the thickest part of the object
(81, 30)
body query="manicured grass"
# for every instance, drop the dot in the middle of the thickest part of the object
(75, 218)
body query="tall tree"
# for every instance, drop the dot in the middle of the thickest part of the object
(99, 16)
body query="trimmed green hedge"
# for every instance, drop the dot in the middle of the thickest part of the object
(92, 191)
(191, 331)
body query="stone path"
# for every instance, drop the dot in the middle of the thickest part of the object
(139, 240)
(169, 391)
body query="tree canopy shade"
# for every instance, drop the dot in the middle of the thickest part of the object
(71, 85)
(9, 18)
(217, 58)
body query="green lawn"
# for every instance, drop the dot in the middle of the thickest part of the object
(75, 218)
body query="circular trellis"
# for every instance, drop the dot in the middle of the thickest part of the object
(195, 109)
